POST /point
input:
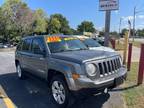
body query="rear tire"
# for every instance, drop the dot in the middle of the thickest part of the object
(19, 71)
(59, 92)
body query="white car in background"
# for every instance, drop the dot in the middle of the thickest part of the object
(93, 44)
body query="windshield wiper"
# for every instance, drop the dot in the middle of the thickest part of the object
(64, 50)
(81, 49)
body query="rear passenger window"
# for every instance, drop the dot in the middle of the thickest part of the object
(38, 46)
(26, 45)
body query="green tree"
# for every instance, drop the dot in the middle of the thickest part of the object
(74, 32)
(54, 26)
(24, 20)
(140, 32)
(40, 23)
(64, 28)
(86, 26)
(8, 10)
(124, 31)
(16, 20)
(114, 33)
(1, 26)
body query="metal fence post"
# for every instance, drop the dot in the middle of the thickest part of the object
(113, 43)
(129, 56)
(141, 66)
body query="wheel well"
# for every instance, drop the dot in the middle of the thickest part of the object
(52, 73)
(16, 62)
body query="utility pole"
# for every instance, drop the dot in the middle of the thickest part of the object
(134, 22)
(107, 27)
(119, 30)
(108, 6)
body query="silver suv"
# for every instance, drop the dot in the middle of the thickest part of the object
(68, 66)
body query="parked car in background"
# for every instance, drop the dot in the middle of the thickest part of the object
(1, 45)
(5, 45)
(93, 44)
(100, 40)
(68, 66)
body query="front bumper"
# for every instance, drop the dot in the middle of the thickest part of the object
(110, 82)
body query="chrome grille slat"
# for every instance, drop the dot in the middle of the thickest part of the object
(119, 62)
(112, 66)
(109, 67)
(116, 64)
(101, 70)
(105, 69)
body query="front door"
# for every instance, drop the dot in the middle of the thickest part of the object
(38, 61)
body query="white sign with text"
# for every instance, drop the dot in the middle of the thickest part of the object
(105, 5)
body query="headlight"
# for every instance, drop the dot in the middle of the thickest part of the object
(91, 69)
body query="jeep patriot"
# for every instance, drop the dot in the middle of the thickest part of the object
(68, 66)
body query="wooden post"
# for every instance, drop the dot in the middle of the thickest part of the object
(125, 47)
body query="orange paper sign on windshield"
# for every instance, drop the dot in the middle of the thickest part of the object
(53, 39)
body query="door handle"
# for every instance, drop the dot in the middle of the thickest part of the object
(29, 55)
(41, 58)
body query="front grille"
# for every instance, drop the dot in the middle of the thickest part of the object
(109, 67)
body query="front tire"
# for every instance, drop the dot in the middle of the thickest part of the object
(59, 91)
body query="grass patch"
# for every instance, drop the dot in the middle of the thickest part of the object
(134, 96)
(119, 45)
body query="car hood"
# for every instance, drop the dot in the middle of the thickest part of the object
(101, 48)
(83, 55)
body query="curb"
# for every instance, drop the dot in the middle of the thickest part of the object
(5, 100)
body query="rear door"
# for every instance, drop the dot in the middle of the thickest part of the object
(38, 59)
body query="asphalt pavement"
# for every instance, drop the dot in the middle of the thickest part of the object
(34, 93)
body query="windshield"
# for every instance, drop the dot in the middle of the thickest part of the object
(65, 44)
(91, 43)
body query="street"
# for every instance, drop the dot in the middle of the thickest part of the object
(138, 39)
(33, 93)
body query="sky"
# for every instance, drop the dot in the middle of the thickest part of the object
(77, 11)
